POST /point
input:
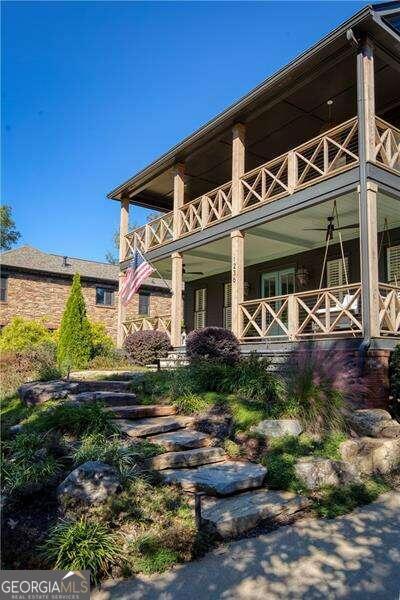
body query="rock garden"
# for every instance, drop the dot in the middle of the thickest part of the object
(136, 475)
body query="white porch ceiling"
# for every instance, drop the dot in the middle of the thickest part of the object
(283, 237)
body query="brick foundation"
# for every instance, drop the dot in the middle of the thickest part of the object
(376, 370)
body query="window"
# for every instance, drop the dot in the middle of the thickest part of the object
(336, 272)
(104, 296)
(144, 303)
(200, 307)
(227, 317)
(393, 264)
(3, 288)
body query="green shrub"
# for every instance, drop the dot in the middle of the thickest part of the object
(76, 420)
(75, 337)
(82, 545)
(114, 360)
(251, 380)
(213, 343)
(22, 476)
(335, 501)
(102, 343)
(23, 334)
(146, 347)
(17, 368)
(97, 446)
(190, 404)
(233, 449)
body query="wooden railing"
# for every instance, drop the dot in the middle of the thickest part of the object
(326, 155)
(162, 323)
(318, 313)
(389, 309)
(206, 210)
(387, 145)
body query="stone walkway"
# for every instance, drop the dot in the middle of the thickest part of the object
(354, 557)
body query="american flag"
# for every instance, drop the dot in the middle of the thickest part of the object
(138, 270)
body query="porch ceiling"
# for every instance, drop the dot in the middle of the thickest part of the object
(283, 237)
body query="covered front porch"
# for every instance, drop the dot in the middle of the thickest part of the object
(291, 279)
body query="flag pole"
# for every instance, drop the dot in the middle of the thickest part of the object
(155, 269)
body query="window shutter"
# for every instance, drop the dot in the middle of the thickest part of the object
(200, 308)
(228, 306)
(393, 264)
(336, 273)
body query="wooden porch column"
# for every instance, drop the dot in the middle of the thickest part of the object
(179, 196)
(123, 247)
(367, 191)
(369, 259)
(237, 274)
(177, 300)
(238, 165)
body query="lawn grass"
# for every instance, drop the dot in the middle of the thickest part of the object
(285, 451)
(333, 501)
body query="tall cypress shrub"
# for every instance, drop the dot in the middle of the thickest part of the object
(75, 340)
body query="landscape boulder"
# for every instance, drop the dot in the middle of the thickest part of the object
(374, 422)
(90, 483)
(277, 427)
(216, 422)
(315, 472)
(372, 455)
(37, 392)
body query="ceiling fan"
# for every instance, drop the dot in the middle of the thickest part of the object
(191, 272)
(330, 228)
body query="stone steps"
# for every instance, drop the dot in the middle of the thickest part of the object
(152, 425)
(236, 501)
(221, 479)
(103, 385)
(141, 412)
(182, 439)
(235, 515)
(187, 458)
(111, 399)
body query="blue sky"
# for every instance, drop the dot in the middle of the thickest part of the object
(94, 91)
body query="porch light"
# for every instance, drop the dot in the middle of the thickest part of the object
(302, 276)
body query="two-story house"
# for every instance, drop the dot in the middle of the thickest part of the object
(36, 285)
(282, 214)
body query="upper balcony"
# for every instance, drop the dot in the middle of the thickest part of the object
(318, 159)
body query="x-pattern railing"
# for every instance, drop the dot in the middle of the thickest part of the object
(325, 312)
(267, 182)
(389, 309)
(190, 216)
(329, 153)
(387, 144)
(160, 231)
(161, 323)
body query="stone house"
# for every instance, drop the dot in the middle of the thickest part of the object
(36, 285)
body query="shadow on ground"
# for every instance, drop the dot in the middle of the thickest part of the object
(354, 556)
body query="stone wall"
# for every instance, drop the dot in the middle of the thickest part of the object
(44, 297)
